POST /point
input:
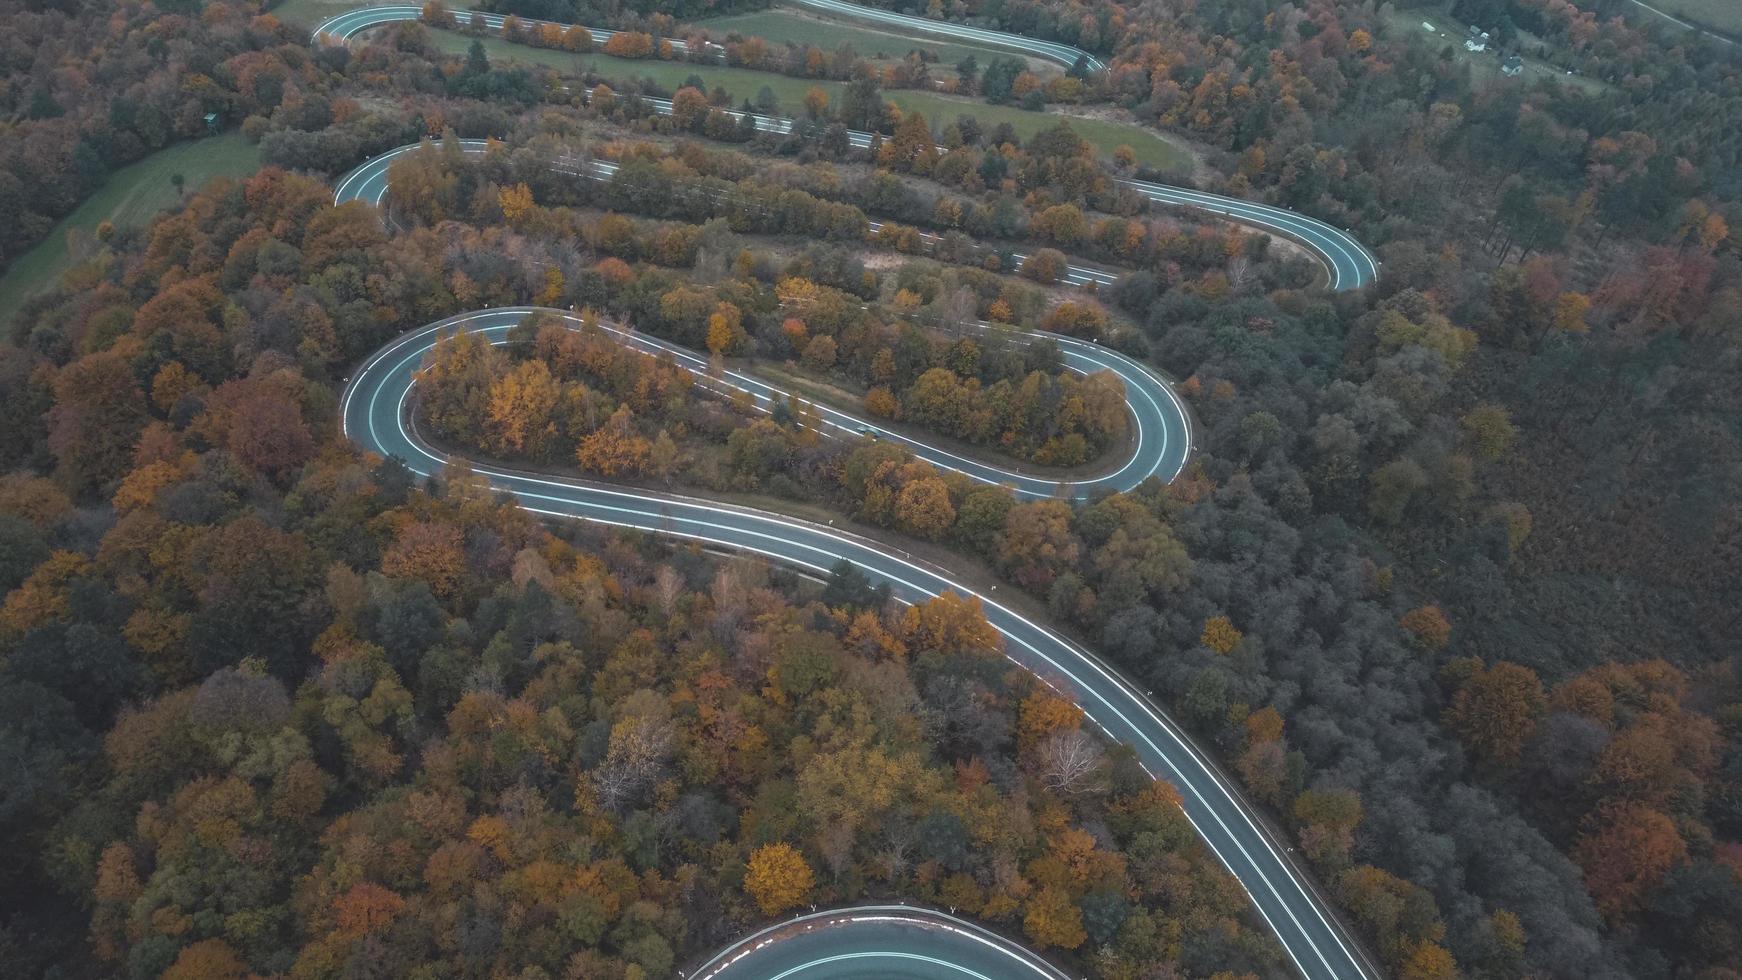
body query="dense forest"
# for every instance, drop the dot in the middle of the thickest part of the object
(282, 711)
(1451, 583)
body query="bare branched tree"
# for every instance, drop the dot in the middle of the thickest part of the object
(894, 857)
(667, 586)
(1070, 762)
(635, 760)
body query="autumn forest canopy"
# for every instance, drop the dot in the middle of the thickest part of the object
(1448, 585)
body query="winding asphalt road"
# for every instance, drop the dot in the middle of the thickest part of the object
(375, 416)
(877, 942)
(1347, 263)
(1064, 54)
(351, 22)
(1158, 419)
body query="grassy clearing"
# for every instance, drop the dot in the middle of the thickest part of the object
(1485, 65)
(777, 26)
(308, 13)
(784, 26)
(1723, 16)
(1104, 135)
(743, 84)
(130, 198)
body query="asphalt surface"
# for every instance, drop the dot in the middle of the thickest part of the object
(351, 22)
(374, 414)
(875, 942)
(1064, 54)
(1347, 263)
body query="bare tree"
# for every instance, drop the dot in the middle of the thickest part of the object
(635, 760)
(836, 846)
(1070, 762)
(1239, 273)
(731, 602)
(960, 309)
(897, 845)
(667, 586)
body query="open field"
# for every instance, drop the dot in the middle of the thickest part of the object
(744, 84)
(786, 26)
(1484, 65)
(308, 13)
(778, 26)
(1150, 147)
(1724, 16)
(129, 199)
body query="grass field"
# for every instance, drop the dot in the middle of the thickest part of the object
(777, 26)
(1724, 16)
(129, 199)
(744, 84)
(308, 13)
(1150, 147)
(785, 26)
(1484, 66)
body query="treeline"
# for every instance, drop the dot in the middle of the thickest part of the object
(658, 13)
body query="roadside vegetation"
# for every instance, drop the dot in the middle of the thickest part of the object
(783, 26)
(743, 85)
(1722, 17)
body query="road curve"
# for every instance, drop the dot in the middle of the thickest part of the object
(1159, 423)
(374, 415)
(888, 942)
(1064, 54)
(1347, 263)
(350, 22)
(344, 26)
